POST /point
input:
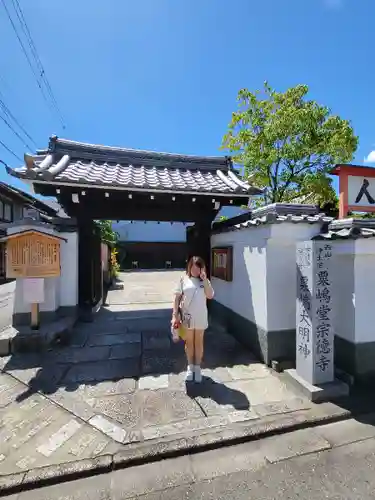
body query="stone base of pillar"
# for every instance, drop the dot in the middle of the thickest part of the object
(317, 393)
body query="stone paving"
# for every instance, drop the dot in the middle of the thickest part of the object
(7, 291)
(121, 381)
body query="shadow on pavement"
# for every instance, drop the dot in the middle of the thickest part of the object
(119, 345)
(218, 392)
(122, 346)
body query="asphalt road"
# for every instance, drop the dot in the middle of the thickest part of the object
(6, 304)
(256, 470)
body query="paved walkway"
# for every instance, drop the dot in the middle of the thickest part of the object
(121, 381)
(6, 304)
(334, 461)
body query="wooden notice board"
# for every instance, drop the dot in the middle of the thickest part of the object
(222, 263)
(33, 254)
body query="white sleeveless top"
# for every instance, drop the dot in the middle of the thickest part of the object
(194, 301)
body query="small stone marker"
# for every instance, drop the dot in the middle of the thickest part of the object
(315, 373)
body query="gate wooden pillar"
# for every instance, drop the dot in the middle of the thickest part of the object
(198, 239)
(89, 264)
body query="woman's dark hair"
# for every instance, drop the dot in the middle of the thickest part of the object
(198, 261)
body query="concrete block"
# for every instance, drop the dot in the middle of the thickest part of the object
(317, 393)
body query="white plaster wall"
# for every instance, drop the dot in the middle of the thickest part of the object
(281, 284)
(51, 296)
(342, 289)
(264, 283)
(246, 294)
(364, 288)
(69, 270)
(150, 231)
(282, 272)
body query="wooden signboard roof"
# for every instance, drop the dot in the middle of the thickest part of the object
(32, 232)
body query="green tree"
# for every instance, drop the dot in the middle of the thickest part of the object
(106, 231)
(288, 144)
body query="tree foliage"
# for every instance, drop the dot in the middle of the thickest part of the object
(106, 231)
(288, 144)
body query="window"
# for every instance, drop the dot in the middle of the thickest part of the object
(222, 263)
(1, 210)
(8, 212)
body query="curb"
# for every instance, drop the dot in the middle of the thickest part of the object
(155, 450)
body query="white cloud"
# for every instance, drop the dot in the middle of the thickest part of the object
(370, 158)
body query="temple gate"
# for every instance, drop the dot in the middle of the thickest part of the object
(94, 182)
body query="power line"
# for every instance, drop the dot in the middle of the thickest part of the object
(10, 151)
(34, 51)
(21, 43)
(51, 102)
(15, 132)
(8, 113)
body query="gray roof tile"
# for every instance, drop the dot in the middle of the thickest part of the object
(276, 213)
(348, 229)
(272, 218)
(87, 164)
(347, 234)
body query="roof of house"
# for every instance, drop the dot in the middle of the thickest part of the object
(26, 198)
(72, 163)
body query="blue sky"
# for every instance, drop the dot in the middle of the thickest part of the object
(164, 74)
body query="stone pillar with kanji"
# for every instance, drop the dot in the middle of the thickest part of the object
(315, 371)
(314, 333)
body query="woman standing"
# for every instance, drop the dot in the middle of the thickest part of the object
(190, 308)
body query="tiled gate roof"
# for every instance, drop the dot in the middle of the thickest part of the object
(68, 162)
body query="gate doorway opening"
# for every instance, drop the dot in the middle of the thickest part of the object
(93, 182)
(151, 245)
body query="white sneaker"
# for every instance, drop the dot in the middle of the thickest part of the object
(189, 374)
(198, 374)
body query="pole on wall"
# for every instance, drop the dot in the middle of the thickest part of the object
(35, 316)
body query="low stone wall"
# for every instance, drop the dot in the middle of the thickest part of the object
(355, 359)
(266, 345)
(24, 318)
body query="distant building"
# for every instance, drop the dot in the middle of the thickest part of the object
(15, 205)
(155, 245)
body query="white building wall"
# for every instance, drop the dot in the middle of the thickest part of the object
(247, 293)
(282, 272)
(364, 290)
(263, 289)
(69, 270)
(148, 231)
(342, 289)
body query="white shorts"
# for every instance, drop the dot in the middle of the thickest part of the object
(198, 320)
